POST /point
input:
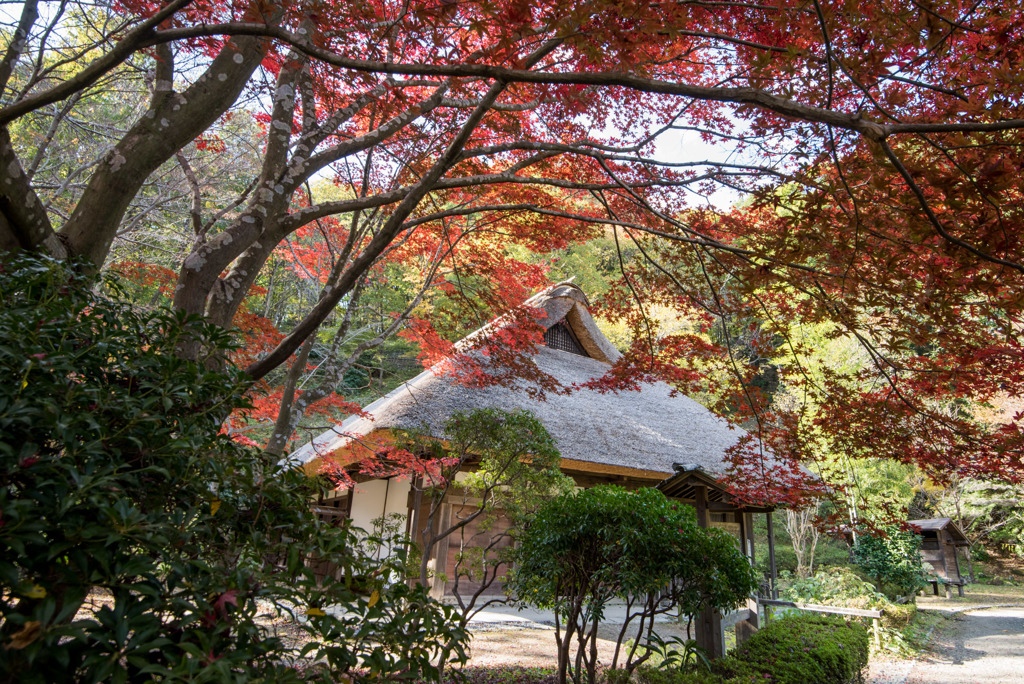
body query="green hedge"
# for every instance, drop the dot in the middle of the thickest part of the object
(793, 650)
(803, 648)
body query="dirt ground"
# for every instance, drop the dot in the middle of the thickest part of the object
(535, 646)
(529, 647)
(972, 645)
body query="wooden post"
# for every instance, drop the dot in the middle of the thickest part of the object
(748, 527)
(741, 520)
(744, 630)
(438, 583)
(747, 628)
(705, 628)
(709, 626)
(956, 563)
(709, 622)
(718, 635)
(752, 606)
(773, 577)
(945, 555)
(701, 494)
(946, 545)
(877, 624)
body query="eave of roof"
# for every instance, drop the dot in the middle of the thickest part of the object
(937, 524)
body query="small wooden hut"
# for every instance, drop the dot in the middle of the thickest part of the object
(631, 438)
(941, 537)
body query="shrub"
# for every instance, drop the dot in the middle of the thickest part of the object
(794, 650)
(892, 558)
(501, 674)
(842, 587)
(651, 675)
(898, 616)
(835, 586)
(800, 649)
(581, 550)
(115, 481)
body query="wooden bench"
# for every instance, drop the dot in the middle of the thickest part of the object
(959, 584)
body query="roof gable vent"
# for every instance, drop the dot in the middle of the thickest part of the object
(560, 336)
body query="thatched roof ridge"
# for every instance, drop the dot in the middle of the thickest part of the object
(647, 430)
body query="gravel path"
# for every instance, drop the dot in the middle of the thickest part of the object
(980, 646)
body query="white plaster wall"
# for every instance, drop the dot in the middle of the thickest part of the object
(373, 499)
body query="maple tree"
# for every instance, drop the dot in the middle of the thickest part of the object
(877, 145)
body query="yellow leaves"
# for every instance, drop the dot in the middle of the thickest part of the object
(374, 597)
(29, 633)
(214, 506)
(36, 592)
(315, 612)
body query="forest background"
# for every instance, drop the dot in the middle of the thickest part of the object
(354, 188)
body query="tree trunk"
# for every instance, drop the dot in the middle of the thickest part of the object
(172, 121)
(286, 419)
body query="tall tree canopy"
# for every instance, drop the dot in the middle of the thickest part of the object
(876, 146)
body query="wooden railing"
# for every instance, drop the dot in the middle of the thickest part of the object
(875, 615)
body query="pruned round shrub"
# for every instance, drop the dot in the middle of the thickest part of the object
(804, 649)
(800, 649)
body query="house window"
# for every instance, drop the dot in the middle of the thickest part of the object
(560, 336)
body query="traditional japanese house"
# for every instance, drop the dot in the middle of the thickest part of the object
(652, 437)
(941, 537)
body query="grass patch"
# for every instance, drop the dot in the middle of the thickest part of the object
(916, 634)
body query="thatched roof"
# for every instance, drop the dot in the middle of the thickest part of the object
(647, 430)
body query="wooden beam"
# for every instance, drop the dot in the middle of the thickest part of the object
(815, 608)
(723, 507)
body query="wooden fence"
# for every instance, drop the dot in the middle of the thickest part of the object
(875, 615)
